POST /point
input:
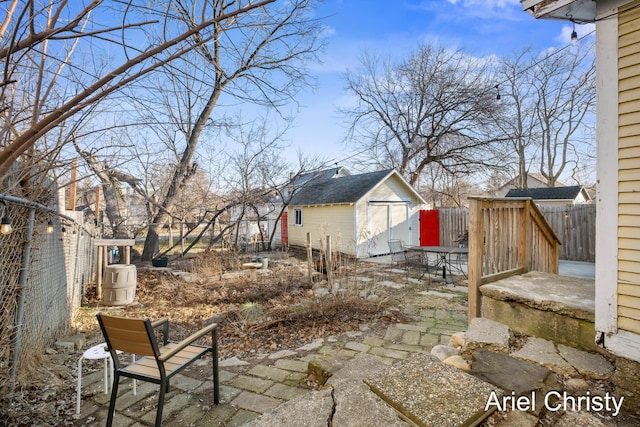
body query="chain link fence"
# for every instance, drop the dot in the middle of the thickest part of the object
(42, 281)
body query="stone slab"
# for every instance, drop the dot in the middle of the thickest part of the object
(313, 345)
(439, 294)
(292, 365)
(356, 405)
(314, 409)
(508, 373)
(392, 285)
(281, 354)
(430, 393)
(255, 402)
(486, 334)
(232, 361)
(572, 296)
(543, 352)
(285, 392)
(590, 365)
(258, 385)
(357, 346)
(269, 372)
(359, 369)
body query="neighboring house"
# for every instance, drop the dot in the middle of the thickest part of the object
(553, 196)
(266, 215)
(533, 181)
(360, 212)
(617, 316)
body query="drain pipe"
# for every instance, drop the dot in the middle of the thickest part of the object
(24, 275)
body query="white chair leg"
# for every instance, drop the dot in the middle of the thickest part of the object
(79, 386)
(135, 389)
(106, 375)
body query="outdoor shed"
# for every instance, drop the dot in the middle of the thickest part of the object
(361, 213)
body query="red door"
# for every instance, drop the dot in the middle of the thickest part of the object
(284, 228)
(429, 228)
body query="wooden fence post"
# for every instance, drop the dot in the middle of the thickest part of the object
(310, 259)
(524, 239)
(476, 248)
(329, 263)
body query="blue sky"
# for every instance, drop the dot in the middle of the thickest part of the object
(481, 28)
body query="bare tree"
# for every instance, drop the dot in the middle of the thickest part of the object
(517, 117)
(435, 107)
(256, 58)
(46, 79)
(548, 101)
(566, 93)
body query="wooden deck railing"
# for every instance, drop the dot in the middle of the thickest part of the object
(507, 237)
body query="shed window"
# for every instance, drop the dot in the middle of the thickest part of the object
(298, 216)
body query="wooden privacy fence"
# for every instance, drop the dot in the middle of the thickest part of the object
(454, 223)
(507, 237)
(575, 226)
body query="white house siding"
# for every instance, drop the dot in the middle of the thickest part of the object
(321, 221)
(629, 168)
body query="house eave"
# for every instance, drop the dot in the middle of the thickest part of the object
(417, 195)
(580, 11)
(322, 205)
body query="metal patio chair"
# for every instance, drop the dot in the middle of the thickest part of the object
(159, 363)
(403, 257)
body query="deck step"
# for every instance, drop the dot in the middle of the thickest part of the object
(548, 306)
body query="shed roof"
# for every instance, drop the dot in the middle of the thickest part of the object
(343, 189)
(547, 193)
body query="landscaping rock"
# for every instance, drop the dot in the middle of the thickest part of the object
(458, 340)
(457, 362)
(443, 352)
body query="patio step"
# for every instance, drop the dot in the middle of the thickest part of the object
(549, 306)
